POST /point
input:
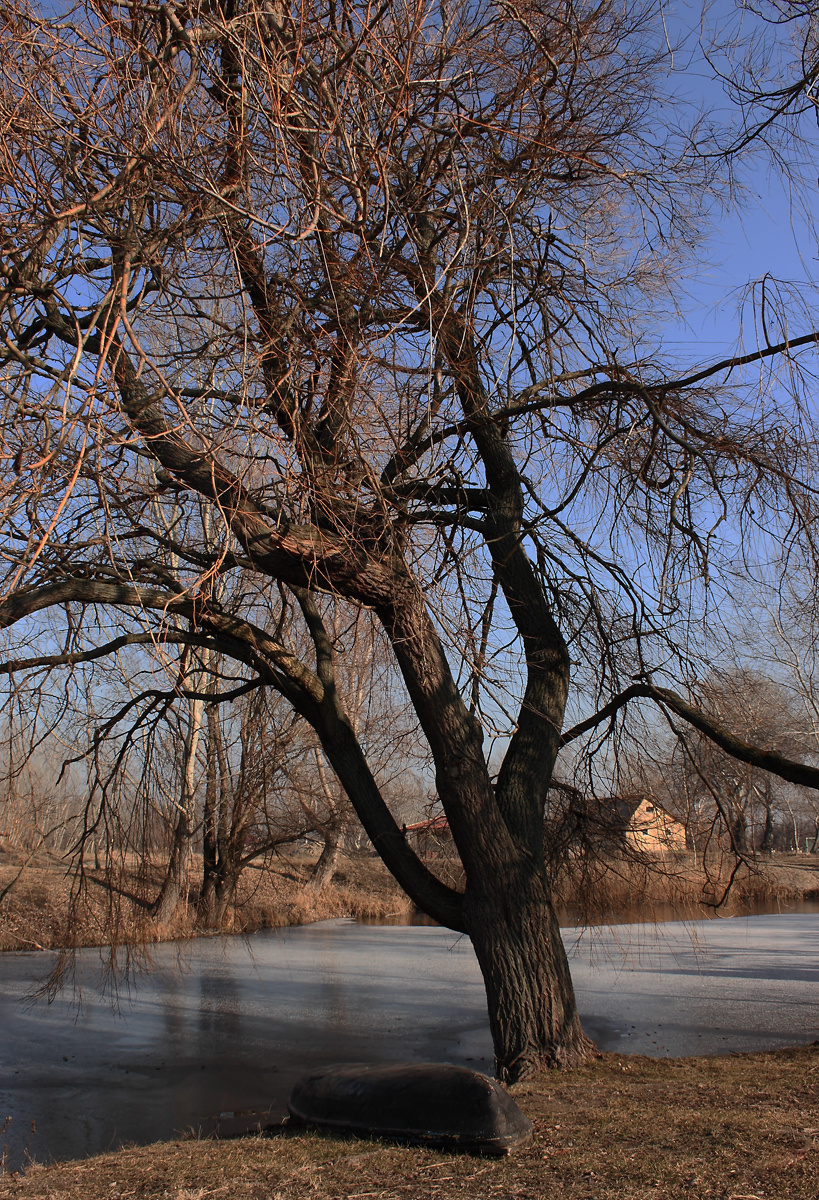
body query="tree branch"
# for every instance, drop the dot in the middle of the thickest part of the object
(766, 760)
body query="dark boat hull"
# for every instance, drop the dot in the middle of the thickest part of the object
(432, 1103)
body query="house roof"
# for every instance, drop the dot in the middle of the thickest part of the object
(625, 808)
(434, 824)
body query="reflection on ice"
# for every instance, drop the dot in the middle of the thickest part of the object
(231, 1032)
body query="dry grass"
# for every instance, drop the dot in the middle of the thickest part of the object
(745, 1127)
(605, 890)
(36, 913)
(598, 890)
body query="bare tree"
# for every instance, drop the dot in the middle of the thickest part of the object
(375, 288)
(185, 754)
(726, 804)
(248, 810)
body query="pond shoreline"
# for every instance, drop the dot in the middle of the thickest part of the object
(734, 1127)
(43, 910)
(40, 910)
(215, 1036)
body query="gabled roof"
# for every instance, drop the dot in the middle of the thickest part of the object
(437, 824)
(626, 807)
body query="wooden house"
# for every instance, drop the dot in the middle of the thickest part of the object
(640, 820)
(648, 827)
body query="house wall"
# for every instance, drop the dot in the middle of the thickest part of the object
(654, 830)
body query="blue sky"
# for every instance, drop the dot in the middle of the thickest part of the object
(768, 232)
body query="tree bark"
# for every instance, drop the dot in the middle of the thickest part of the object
(330, 831)
(210, 824)
(325, 866)
(224, 832)
(175, 880)
(766, 844)
(508, 911)
(532, 1010)
(738, 829)
(498, 831)
(175, 884)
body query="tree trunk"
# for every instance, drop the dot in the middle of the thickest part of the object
(795, 829)
(766, 845)
(330, 831)
(223, 901)
(224, 894)
(175, 884)
(210, 822)
(507, 913)
(739, 831)
(223, 833)
(532, 1010)
(218, 892)
(498, 831)
(176, 873)
(325, 866)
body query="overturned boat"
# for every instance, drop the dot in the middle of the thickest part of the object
(431, 1103)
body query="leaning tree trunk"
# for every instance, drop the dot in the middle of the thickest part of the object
(532, 1010)
(175, 883)
(327, 861)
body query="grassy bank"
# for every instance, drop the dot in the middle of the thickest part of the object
(679, 885)
(744, 1127)
(37, 911)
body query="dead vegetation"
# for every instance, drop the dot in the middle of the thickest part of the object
(599, 891)
(36, 912)
(596, 889)
(744, 1127)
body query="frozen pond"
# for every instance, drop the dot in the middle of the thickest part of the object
(219, 1041)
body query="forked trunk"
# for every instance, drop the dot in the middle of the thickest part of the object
(174, 885)
(532, 1010)
(222, 870)
(326, 864)
(498, 832)
(215, 906)
(174, 889)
